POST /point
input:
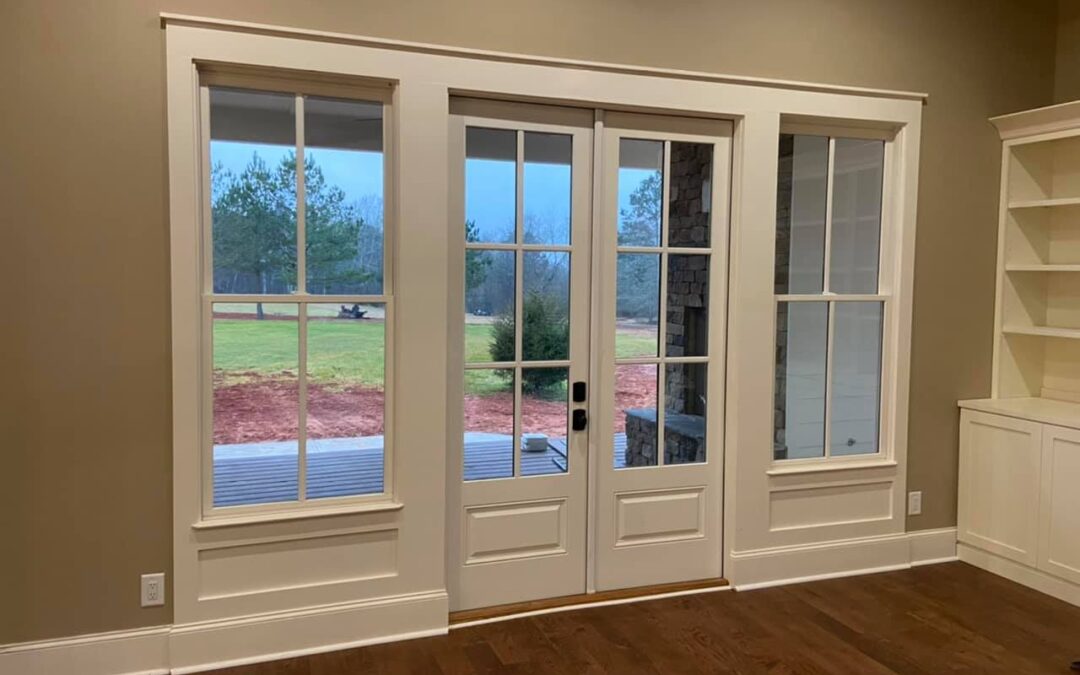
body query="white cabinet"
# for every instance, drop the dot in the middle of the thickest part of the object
(1059, 504)
(1019, 508)
(1000, 461)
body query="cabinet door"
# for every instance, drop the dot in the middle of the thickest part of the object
(1000, 460)
(1059, 512)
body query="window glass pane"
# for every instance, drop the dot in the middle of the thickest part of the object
(546, 189)
(801, 347)
(637, 304)
(858, 171)
(690, 194)
(489, 306)
(489, 424)
(256, 403)
(800, 214)
(855, 399)
(641, 189)
(687, 322)
(346, 382)
(253, 191)
(684, 413)
(544, 422)
(490, 185)
(546, 311)
(635, 415)
(343, 196)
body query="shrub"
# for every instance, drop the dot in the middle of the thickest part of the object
(546, 337)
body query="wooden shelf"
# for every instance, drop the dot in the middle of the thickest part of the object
(1044, 203)
(1023, 267)
(1045, 410)
(1043, 331)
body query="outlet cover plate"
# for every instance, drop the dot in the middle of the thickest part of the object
(153, 589)
(914, 503)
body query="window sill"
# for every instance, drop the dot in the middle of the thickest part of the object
(826, 467)
(299, 514)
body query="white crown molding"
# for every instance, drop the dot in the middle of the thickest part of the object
(169, 19)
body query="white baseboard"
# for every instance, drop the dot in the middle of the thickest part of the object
(196, 647)
(210, 645)
(783, 565)
(1021, 574)
(127, 652)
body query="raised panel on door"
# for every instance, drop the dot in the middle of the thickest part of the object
(999, 490)
(1059, 541)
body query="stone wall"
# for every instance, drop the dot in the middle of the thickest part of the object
(783, 260)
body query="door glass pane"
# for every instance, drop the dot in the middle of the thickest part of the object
(800, 214)
(858, 171)
(690, 194)
(684, 412)
(635, 415)
(637, 305)
(546, 306)
(253, 191)
(489, 306)
(346, 371)
(856, 378)
(256, 403)
(801, 348)
(546, 189)
(544, 422)
(343, 195)
(687, 321)
(489, 424)
(490, 185)
(641, 188)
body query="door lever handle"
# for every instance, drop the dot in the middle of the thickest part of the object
(580, 420)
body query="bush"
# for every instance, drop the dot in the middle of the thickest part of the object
(546, 337)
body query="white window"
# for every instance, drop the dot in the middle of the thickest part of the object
(832, 299)
(297, 294)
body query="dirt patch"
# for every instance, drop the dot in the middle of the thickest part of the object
(263, 409)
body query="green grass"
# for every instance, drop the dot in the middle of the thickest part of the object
(346, 353)
(340, 353)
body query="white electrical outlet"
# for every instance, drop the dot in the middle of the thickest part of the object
(153, 589)
(914, 503)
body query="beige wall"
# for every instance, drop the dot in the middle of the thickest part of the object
(1067, 70)
(86, 413)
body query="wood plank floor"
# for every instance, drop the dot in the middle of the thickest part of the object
(949, 618)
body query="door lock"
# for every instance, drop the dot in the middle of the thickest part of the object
(580, 420)
(579, 392)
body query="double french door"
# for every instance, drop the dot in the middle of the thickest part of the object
(593, 267)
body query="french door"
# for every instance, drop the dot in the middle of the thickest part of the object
(591, 317)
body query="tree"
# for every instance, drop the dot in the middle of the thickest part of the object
(254, 229)
(476, 262)
(639, 274)
(545, 337)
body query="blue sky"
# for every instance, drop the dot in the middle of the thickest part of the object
(489, 187)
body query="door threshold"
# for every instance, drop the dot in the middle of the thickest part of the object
(584, 600)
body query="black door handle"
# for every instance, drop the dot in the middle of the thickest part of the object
(580, 420)
(579, 392)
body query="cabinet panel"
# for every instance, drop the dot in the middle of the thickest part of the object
(1000, 463)
(1059, 545)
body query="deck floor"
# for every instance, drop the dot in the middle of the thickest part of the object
(340, 471)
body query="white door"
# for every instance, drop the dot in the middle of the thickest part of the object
(659, 411)
(523, 194)
(619, 312)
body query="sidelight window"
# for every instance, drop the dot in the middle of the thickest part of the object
(831, 304)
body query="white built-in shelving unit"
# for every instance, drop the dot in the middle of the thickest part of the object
(1019, 508)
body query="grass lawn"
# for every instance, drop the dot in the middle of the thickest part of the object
(346, 353)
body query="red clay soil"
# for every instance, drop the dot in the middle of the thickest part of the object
(264, 409)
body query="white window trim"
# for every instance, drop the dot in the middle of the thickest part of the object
(425, 77)
(300, 87)
(889, 240)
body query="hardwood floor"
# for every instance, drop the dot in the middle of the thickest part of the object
(949, 618)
